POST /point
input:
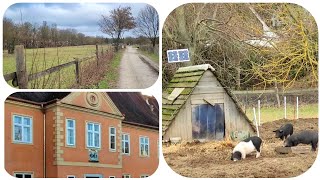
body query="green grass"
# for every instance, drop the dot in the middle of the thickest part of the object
(274, 113)
(154, 57)
(111, 78)
(43, 58)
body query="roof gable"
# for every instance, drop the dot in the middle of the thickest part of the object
(92, 100)
(188, 78)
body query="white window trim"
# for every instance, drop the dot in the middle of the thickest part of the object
(71, 176)
(74, 132)
(31, 129)
(87, 142)
(123, 143)
(24, 173)
(140, 146)
(128, 175)
(115, 139)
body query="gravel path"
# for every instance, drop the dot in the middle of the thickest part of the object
(134, 73)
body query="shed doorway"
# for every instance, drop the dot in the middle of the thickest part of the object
(208, 122)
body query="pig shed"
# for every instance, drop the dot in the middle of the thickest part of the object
(197, 106)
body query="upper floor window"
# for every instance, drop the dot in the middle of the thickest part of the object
(112, 138)
(144, 146)
(22, 129)
(71, 132)
(126, 144)
(93, 135)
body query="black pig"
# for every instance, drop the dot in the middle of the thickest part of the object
(304, 137)
(284, 131)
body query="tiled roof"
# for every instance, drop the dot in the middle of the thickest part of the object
(39, 97)
(134, 106)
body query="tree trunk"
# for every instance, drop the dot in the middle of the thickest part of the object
(277, 93)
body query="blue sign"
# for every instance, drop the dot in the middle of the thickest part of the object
(93, 155)
(178, 55)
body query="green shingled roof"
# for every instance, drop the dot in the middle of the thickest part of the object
(187, 78)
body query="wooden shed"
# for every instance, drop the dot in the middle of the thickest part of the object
(196, 105)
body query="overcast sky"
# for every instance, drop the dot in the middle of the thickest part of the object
(83, 17)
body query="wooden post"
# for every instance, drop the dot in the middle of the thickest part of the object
(77, 71)
(256, 123)
(97, 54)
(297, 108)
(285, 106)
(102, 51)
(22, 75)
(259, 117)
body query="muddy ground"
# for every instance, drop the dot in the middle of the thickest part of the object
(212, 159)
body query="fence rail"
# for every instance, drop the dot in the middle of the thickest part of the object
(273, 91)
(21, 78)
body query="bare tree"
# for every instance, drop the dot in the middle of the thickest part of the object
(115, 24)
(148, 24)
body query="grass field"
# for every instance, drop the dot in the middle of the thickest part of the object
(154, 57)
(43, 58)
(273, 113)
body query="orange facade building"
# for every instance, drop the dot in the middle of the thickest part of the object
(81, 134)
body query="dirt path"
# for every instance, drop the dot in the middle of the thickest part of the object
(134, 73)
(212, 159)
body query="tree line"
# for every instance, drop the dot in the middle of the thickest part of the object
(45, 35)
(145, 25)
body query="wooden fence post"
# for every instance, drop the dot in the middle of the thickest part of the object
(77, 71)
(255, 120)
(259, 115)
(22, 75)
(97, 54)
(297, 117)
(285, 106)
(102, 51)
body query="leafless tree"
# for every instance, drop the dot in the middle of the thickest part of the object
(148, 24)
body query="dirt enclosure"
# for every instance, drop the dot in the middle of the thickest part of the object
(212, 159)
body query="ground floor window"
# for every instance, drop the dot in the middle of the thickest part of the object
(112, 177)
(144, 176)
(71, 176)
(126, 176)
(23, 175)
(93, 176)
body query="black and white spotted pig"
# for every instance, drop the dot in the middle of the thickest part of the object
(245, 147)
(284, 131)
(304, 137)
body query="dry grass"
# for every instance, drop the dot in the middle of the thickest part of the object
(212, 159)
